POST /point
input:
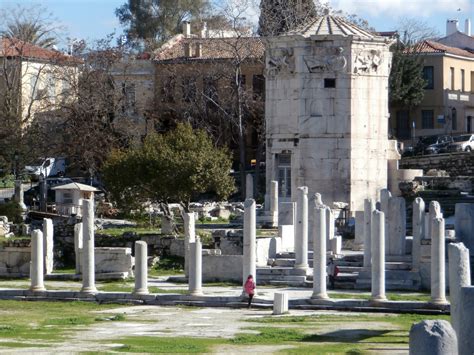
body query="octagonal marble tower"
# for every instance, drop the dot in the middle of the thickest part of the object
(327, 112)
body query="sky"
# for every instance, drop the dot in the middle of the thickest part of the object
(94, 19)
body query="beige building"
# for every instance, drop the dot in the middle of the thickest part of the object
(448, 104)
(34, 80)
(134, 80)
(195, 79)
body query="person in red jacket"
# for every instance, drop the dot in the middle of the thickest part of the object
(249, 288)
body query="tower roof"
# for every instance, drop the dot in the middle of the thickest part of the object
(331, 25)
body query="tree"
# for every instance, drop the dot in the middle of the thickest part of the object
(173, 167)
(280, 16)
(33, 25)
(155, 21)
(406, 83)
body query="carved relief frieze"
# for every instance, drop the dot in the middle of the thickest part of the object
(367, 61)
(280, 61)
(326, 59)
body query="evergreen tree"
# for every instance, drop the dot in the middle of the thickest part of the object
(406, 83)
(155, 21)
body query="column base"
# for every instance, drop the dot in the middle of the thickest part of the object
(90, 290)
(301, 266)
(196, 293)
(439, 301)
(37, 288)
(319, 296)
(378, 299)
(141, 291)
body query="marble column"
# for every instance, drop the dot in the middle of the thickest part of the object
(434, 212)
(37, 263)
(250, 240)
(418, 229)
(195, 268)
(249, 186)
(189, 237)
(465, 338)
(397, 223)
(274, 203)
(78, 246)
(88, 255)
(369, 206)
(427, 226)
(330, 234)
(459, 276)
(141, 268)
(301, 238)
(48, 245)
(319, 254)
(385, 196)
(19, 195)
(438, 280)
(378, 255)
(359, 231)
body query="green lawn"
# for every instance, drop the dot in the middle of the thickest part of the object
(40, 324)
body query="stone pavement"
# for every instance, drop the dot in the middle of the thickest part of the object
(218, 296)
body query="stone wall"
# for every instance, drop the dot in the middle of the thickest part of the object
(222, 268)
(113, 260)
(456, 164)
(15, 256)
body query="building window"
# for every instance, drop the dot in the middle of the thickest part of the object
(284, 174)
(330, 83)
(472, 81)
(258, 87)
(462, 81)
(167, 90)
(451, 78)
(454, 119)
(427, 119)
(128, 92)
(428, 75)
(189, 89)
(210, 93)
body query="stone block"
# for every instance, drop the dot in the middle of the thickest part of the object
(280, 303)
(359, 231)
(286, 233)
(222, 268)
(465, 338)
(433, 337)
(336, 244)
(287, 213)
(464, 224)
(112, 260)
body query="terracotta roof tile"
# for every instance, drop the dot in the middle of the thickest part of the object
(211, 48)
(15, 48)
(435, 47)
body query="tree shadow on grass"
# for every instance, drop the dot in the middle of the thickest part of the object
(346, 335)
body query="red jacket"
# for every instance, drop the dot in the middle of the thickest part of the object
(249, 287)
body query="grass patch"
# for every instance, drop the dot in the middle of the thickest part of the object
(269, 335)
(356, 296)
(423, 297)
(167, 265)
(118, 232)
(224, 284)
(71, 271)
(166, 345)
(22, 321)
